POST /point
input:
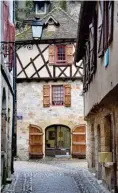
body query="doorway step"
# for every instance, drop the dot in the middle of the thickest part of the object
(62, 156)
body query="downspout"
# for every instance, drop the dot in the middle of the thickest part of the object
(13, 142)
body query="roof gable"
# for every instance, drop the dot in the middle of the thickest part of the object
(51, 20)
(66, 29)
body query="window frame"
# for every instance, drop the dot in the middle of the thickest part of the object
(60, 62)
(106, 11)
(36, 9)
(58, 85)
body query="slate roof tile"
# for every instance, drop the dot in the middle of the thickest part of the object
(66, 29)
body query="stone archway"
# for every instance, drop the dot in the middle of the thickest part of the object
(57, 140)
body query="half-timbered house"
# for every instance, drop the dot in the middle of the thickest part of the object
(49, 91)
(97, 45)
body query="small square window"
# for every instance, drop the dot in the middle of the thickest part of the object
(61, 54)
(57, 95)
(41, 7)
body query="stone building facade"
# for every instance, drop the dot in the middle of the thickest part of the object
(100, 87)
(6, 90)
(30, 106)
(49, 91)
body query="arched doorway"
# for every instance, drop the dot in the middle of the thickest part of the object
(57, 140)
(35, 142)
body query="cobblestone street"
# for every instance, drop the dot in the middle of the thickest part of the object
(54, 176)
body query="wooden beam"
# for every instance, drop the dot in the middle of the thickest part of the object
(21, 65)
(18, 80)
(54, 68)
(34, 67)
(45, 63)
(33, 59)
(37, 71)
(77, 72)
(62, 71)
(46, 41)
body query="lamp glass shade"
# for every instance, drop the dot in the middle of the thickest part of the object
(37, 31)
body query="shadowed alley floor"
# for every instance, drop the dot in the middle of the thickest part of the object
(53, 176)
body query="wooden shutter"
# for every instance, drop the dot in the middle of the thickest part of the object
(79, 142)
(93, 45)
(100, 29)
(46, 95)
(110, 15)
(67, 99)
(35, 142)
(5, 24)
(51, 54)
(11, 46)
(69, 54)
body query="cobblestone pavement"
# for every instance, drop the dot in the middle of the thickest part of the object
(55, 176)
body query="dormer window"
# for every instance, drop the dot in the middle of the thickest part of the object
(41, 7)
(51, 23)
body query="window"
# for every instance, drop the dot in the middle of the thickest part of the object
(61, 54)
(105, 26)
(57, 95)
(41, 7)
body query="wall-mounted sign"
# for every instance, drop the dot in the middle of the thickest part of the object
(106, 58)
(19, 117)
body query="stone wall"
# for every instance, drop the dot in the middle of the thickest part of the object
(6, 126)
(103, 171)
(7, 110)
(30, 108)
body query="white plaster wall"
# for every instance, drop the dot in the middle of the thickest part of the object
(25, 55)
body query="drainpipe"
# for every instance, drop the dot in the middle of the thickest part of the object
(114, 152)
(13, 142)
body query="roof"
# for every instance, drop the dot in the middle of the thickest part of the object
(67, 27)
(85, 17)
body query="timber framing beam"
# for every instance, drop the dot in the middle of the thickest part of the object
(48, 41)
(19, 80)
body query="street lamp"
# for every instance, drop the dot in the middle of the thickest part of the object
(9, 47)
(37, 28)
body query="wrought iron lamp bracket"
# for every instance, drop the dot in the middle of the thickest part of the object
(8, 48)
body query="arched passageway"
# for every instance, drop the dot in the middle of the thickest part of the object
(57, 140)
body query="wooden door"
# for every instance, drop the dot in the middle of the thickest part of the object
(79, 142)
(35, 142)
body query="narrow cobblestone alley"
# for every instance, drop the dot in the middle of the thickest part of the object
(55, 176)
